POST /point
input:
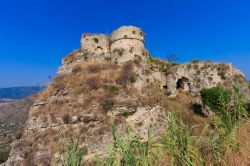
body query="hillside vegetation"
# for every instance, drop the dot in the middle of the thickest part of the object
(113, 104)
(13, 116)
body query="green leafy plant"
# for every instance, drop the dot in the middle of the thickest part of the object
(4, 154)
(229, 109)
(107, 105)
(215, 98)
(222, 74)
(74, 154)
(119, 51)
(131, 50)
(96, 40)
(229, 106)
(129, 150)
(180, 144)
(114, 89)
(132, 78)
(196, 61)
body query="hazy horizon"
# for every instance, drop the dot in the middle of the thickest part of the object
(36, 35)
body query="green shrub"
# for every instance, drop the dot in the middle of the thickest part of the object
(229, 109)
(119, 51)
(132, 78)
(73, 155)
(150, 60)
(66, 118)
(222, 74)
(196, 61)
(131, 50)
(107, 105)
(125, 113)
(215, 98)
(162, 64)
(229, 106)
(4, 154)
(114, 89)
(96, 40)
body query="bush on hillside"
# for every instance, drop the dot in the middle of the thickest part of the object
(114, 89)
(107, 105)
(73, 155)
(229, 106)
(4, 154)
(215, 98)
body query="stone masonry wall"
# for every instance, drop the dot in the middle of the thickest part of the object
(98, 44)
(127, 43)
(194, 76)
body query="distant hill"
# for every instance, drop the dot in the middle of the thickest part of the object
(19, 92)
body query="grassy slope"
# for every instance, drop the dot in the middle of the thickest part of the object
(91, 90)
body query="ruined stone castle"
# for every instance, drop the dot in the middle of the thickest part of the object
(122, 45)
(87, 96)
(127, 43)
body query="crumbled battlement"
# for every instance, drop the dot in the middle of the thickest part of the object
(96, 43)
(127, 32)
(124, 44)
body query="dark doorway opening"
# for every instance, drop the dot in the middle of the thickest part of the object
(182, 83)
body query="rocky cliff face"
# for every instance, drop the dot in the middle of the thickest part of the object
(110, 78)
(13, 116)
(194, 76)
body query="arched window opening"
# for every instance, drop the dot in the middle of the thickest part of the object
(183, 84)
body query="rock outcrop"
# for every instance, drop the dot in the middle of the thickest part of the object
(194, 76)
(110, 78)
(13, 116)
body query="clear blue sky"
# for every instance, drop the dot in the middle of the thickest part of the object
(36, 34)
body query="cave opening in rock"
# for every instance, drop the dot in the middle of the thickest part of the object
(183, 84)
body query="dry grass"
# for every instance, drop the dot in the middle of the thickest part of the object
(72, 57)
(241, 157)
(152, 95)
(182, 106)
(92, 88)
(125, 74)
(87, 87)
(90, 82)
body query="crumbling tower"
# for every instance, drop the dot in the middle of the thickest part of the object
(127, 43)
